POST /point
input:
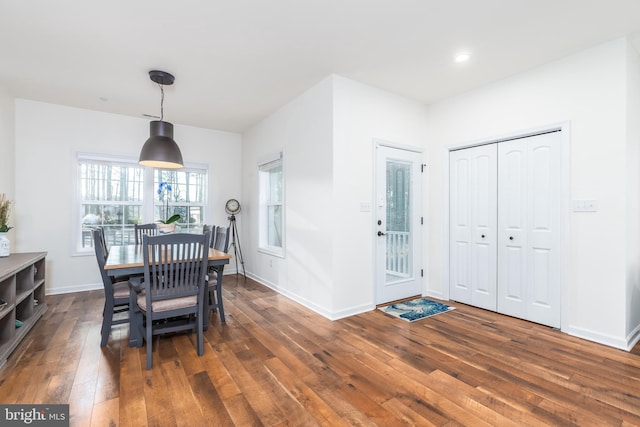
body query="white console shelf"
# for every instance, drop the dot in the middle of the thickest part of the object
(22, 287)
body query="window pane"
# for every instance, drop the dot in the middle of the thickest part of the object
(275, 184)
(106, 182)
(274, 221)
(186, 198)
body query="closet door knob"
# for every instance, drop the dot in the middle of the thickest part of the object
(482, 236)
(510, 237)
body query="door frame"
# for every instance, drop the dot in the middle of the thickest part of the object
(423, 208)
(565, 206)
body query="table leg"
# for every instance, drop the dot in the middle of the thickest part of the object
(135, 315)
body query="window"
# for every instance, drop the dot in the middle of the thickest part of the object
(271, 187)
(116, 193)
(187, 197)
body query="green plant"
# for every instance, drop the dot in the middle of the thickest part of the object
(164, 188)
(5, 209)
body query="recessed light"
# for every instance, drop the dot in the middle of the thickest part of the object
(462, 57)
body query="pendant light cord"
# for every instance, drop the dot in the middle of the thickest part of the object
(161, 101)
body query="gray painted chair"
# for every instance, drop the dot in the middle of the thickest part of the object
(116, 293)
(175, 266)
(145, 229)
(214, 275)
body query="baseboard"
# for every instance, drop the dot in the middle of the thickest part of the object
(309, 304)
(633, 338)
(608, 340)
(437, 295)
(71, 289)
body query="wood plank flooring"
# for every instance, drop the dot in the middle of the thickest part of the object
(277, 363)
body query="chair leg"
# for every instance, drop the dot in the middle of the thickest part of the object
(219, 299)
(107, 319)
(212, 300)
(200, 333)
(149, 342)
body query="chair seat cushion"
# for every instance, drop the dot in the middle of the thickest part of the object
(121, 289)
(167, 304)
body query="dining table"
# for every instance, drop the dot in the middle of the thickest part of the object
(127, 260)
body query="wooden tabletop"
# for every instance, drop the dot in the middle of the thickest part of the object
(128, 256)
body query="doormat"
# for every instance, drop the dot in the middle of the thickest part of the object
(416, 309)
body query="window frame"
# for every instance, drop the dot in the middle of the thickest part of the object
(189, 168)
(265, 165)
(149, 193)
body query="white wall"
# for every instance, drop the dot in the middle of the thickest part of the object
(633, 194)
(46, 138)
(7, 150)
(303, 130)
(589, 89)
(361, 114)
(327, 135)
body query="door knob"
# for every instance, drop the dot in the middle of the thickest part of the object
(380, 233)
(482, 236)
(510, 237)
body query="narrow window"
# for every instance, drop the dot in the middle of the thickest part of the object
(271, 187)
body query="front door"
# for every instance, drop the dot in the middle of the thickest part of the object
(398, 223)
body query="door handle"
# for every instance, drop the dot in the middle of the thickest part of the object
(510, 237)
(380, 233)
(482, 236)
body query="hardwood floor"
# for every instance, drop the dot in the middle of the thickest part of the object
(277, 363)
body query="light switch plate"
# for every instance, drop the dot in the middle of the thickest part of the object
(365, 206)
(585, 206)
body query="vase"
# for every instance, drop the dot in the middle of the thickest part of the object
(5, 245)
(166, 228)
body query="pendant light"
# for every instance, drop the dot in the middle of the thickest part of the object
(160, 150)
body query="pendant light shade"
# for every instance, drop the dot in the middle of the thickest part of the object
(160, 150)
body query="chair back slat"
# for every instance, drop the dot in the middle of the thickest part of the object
(174, 265)
(145, 230)
(211, 229)
(101, 257)
(222, 239)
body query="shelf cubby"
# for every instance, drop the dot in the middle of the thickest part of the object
(22, 286)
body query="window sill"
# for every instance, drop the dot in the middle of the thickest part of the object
(273, 251)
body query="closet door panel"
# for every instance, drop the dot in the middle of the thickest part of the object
(528, 219)
(459, 227)
(544, 207)
(512, 236)
(473, 184)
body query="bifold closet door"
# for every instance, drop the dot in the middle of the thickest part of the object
(473, 226)
(528, 222)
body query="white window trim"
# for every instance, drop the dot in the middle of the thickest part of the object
(263, 162)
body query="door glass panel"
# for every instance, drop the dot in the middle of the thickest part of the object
(398, 195)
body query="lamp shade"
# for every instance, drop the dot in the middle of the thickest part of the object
(160, 150)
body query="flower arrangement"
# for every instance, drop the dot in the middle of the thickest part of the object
(164, 188)
(5, 208)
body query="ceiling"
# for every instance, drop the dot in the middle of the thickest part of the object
(237, 61)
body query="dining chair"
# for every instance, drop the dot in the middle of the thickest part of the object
(214, 275)
(116, 292)
(145, 229)
(174, 275)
